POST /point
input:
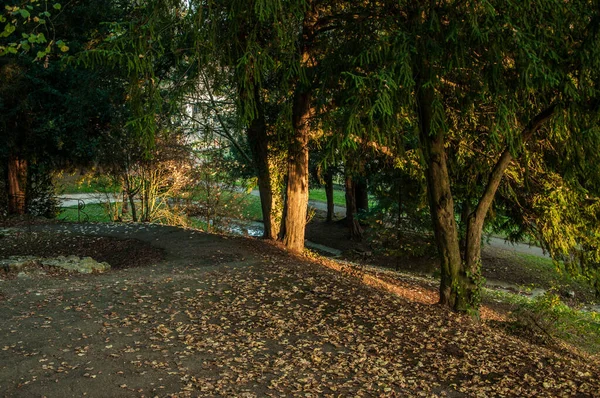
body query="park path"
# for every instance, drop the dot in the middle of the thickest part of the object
(72, 199)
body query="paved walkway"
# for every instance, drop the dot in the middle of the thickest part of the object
(499, 243)
(72, 199)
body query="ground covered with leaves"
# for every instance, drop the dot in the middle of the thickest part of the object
(222, 316)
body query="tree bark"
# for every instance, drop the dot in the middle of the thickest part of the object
(131, 197)
(296, 202)
(297, 182)
(441, 203)
(258, 140)
(329, 194)
(460, 274)
(259, 145)
(125, 207)
(476, 219)
(17, 178)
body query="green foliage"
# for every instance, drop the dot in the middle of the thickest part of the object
(142, 49)
(548, 318)
(493, 71)
(52, 114)
(24, 26)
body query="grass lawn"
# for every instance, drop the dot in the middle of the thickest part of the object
(339, 197)
(549, 317)
(94, 211)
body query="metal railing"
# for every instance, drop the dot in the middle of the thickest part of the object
(80, 212)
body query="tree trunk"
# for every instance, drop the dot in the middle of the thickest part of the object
(130, 192)
(460, 276)
(465, 213)
(17, 180)
(441, 203)
(297, 182)
(471, 272)
(329, 194)
(351, 221)
(296, 202)
(125, 207)
(362, 194)
(131, 197)
(259, 145)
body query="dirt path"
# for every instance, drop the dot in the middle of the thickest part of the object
(222, 316)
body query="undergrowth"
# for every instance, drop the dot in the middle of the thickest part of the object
(547, 319)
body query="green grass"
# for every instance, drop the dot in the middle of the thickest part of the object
(94, 211)
(339, 197)
(548, 317)
(252, 208)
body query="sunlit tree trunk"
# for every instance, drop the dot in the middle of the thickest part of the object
(297, 182)
(296, 202)
(259, 145)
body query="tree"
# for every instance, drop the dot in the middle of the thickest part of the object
(278, 53)
(51, 113)
(494, 73)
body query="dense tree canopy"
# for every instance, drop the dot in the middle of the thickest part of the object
(52, 113)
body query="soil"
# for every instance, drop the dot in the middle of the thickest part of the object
(119, 253)
(210, 315)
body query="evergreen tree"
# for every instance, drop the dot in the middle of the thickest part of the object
(494, 76)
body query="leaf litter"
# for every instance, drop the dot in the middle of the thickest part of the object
(262, 323)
